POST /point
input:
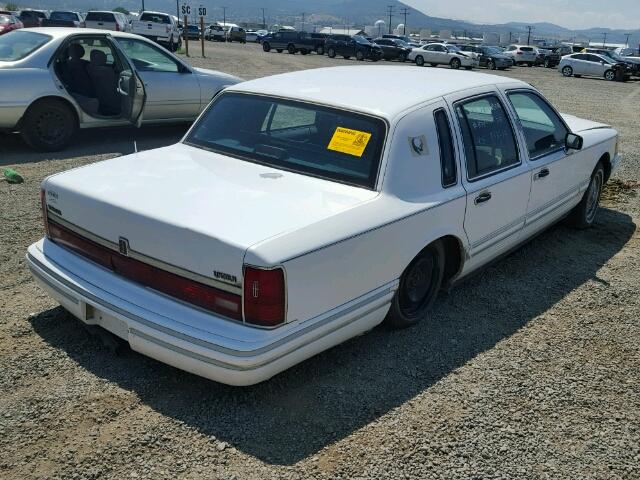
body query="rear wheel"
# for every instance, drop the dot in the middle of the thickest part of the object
(547, 63)
(567, 71)
(419, 287)
(584, 214)
(402, 57)
(331, 53)
(291, 49)
(491, 65)
(455, 63)
(320, 50)
(49, 125)
(266, 47)
(359, 55)
(610, 75)
(420, 60)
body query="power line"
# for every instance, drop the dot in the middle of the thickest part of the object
(390, 12)
(405, 12)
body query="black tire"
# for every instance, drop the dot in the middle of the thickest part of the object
(402, 57)
(331, 52)
(279, 50)
(266, 47)
(48, 125)
(455, 63)
(320, 50)
(420, 61)
(547, 63)
(359, 56)
(418, 289)
(610, 75)
(172, 45)
(584, 214)
(291, 48)
(491, 65)
(567, 71)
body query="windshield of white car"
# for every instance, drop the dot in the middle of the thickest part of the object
(19, 44)
(295, 136)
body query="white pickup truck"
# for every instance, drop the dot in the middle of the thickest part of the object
(159, 27)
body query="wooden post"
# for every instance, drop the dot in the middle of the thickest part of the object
(185, 34)
(202, 34)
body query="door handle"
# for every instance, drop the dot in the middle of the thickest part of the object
(543, 173)
(483, 197)
(120, 90)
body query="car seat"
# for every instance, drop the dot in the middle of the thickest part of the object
(78, 74)
(105, 81)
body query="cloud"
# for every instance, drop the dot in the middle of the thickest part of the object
(574, 14)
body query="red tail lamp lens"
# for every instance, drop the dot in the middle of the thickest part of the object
(264, 296)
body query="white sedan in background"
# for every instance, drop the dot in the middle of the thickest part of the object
(589, 64)
(309, 209)
(54, 81)
(443, 54)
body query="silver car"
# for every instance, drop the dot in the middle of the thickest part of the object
(589, 64)
(54, 81)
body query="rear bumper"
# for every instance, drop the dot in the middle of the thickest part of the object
(190, 339)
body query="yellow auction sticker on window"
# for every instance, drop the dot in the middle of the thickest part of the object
(351, 142)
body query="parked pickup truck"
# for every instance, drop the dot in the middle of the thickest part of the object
(64, 19)
(159, 27)
(294, 42)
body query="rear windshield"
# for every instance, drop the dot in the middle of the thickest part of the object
(154, 17)
(526, 49)
(18, 44)
(294, 136)
(4, 19)
(100, 17)
(64, 16)
(32, 13)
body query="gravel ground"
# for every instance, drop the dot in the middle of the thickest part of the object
(528, 370)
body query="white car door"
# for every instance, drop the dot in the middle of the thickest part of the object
(173, 92)
(496, 178)
(558, 176)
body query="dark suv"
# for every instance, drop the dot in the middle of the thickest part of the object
(294, 42)
(349, 46)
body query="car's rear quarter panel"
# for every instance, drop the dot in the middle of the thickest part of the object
(349, 255)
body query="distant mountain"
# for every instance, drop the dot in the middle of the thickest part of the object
(337, 12)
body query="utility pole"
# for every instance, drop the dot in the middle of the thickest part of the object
(224, 16)
(529, 28)
(510, 34)
(264, 23)
(405, 12)
(604, 39)
(303, 22)
(390, 12)
(143, 5)
(626, 44)
(177, 7)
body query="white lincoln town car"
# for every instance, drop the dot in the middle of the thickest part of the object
(303, 209)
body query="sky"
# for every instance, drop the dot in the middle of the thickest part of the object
(573, 14)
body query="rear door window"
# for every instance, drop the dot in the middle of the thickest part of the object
(488, 137)
(447, 153)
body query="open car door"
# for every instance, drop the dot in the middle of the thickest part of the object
(131, 88)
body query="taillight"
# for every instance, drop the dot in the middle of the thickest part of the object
(43, 203)
(117, 27)
(264, 296)
(518, 53)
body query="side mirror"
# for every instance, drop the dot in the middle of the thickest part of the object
(573, 142)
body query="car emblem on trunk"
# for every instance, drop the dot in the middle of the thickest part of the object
(123, 246)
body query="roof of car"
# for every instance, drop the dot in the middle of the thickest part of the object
(63, 32)
(384, 91)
